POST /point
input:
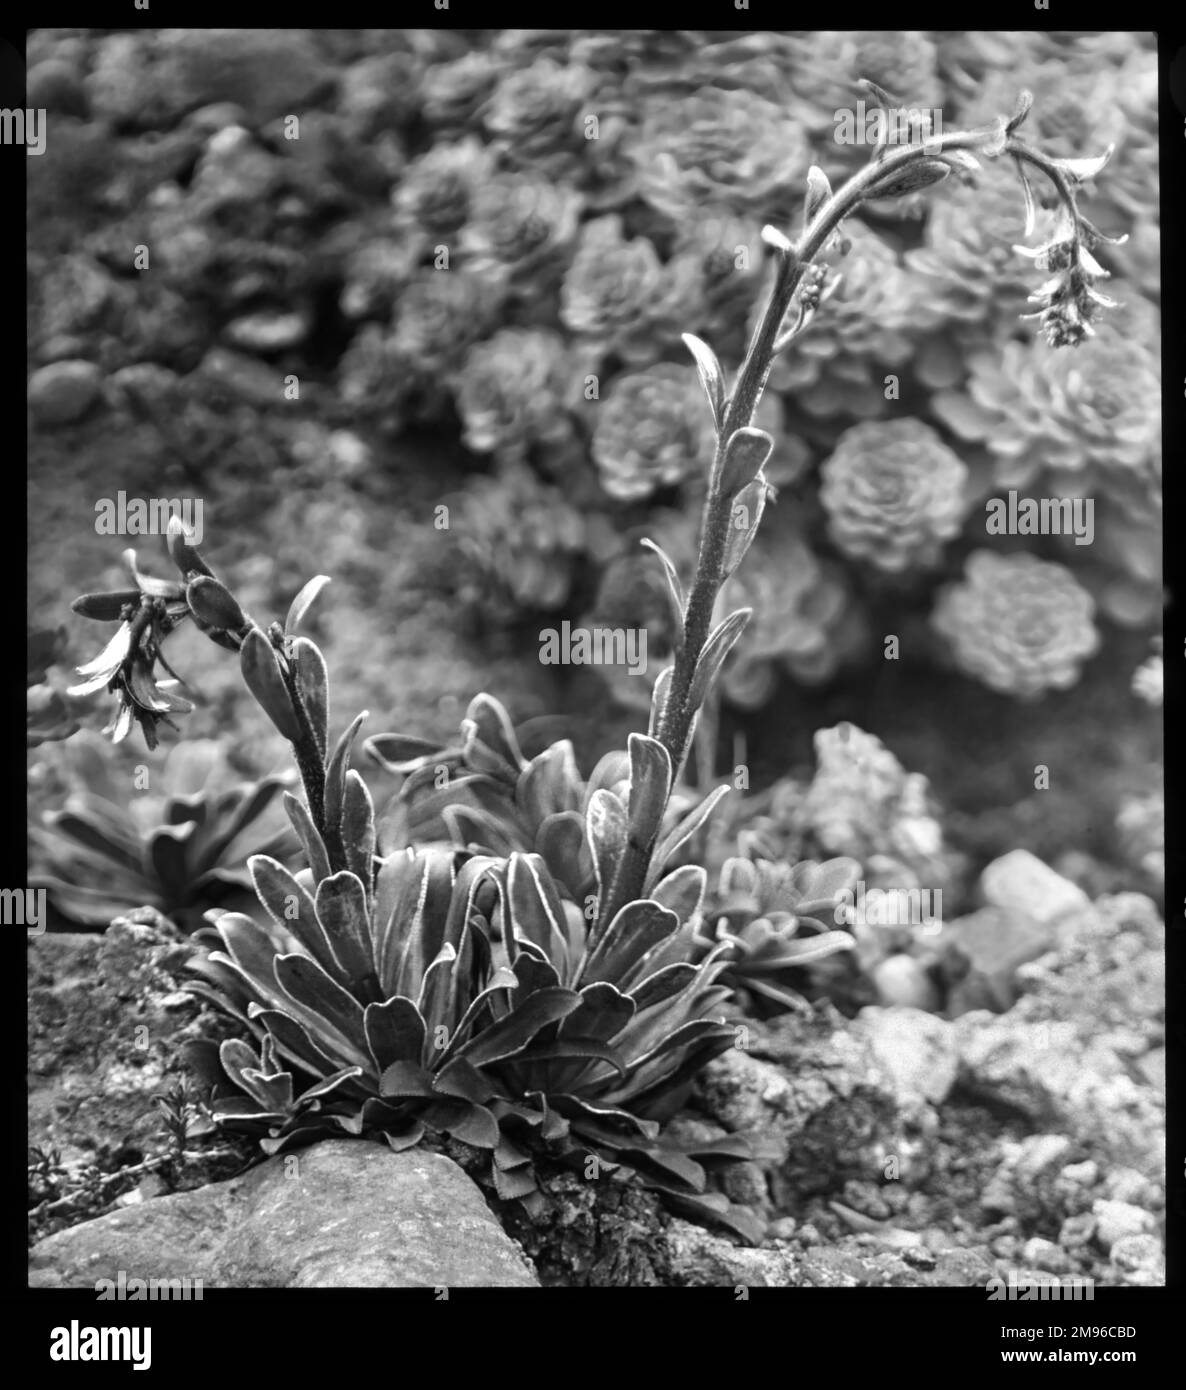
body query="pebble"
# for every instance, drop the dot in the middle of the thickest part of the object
(1020, 882)
(62, 392)
(1115, 1220)
(1138, 1254)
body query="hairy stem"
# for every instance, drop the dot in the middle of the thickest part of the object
(677, 721)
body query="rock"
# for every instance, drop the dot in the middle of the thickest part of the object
(1127, 1185)
(1077, 1231)
(54, 85)
(902, 980)
(814, 1101)
(1085, 1174)
(917, 1050)
(1140, 1259)
(234, 168)
(63, 392)
(1064, 1054)
(242, 377)
(1115, 1220)
(267, 332)
(102, 1040)
(1046, 1255)
(698, 1257)
(993, 942)
(343, 1214)
(1019, 882)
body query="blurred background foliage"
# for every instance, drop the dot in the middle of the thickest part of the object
(592, 196)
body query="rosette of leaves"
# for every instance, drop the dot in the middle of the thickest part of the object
(618, 298)
(114, 848)
(432, 200)
(483, 795)
(726, 149)
(894, 494)
(536, 115)
(523, 227)
(778, 918)
(650, 432)
(439, 992)
(1019, 624)
(511, 393)
(452, 92)
(1069, 424)
(521, 543)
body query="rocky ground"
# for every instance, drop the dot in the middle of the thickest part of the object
(902, 1148)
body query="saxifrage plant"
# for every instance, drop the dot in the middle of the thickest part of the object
(459, 993)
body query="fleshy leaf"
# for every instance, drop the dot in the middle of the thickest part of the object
(262, 675)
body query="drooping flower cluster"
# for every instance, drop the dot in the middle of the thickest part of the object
(147, 614)
(1021, 625)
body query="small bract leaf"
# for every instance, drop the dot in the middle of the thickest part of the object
(711, 376)
(920, 174)
(819, 190)
(1025, 101)
(303, 601)
(773, 237)
(716, 649)
(745, 517)
(745, 454)
(674, 588)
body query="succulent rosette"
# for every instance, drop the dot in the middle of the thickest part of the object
(894, 494)
(651, 432)
(1020, 625)
(451, 93)
(535, 117)
(524, 226)
(433, 198)
(725, 149)
(1069, 422)
(778, 918)
(618, 297)
(441, 313)
(522, 541)
(511, 391)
